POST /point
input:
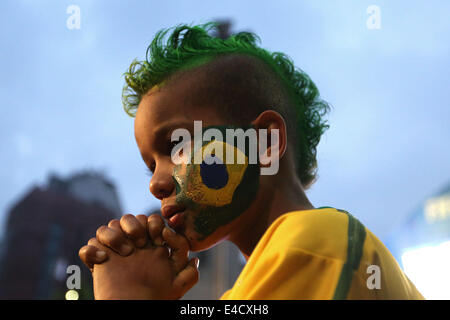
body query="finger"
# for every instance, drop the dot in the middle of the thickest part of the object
(179, 248)
(115, 240)
(95, 243)
(155, 227)
(115, 224)
(91, 255)
(186, 279)
(134, 230)
(142, 218)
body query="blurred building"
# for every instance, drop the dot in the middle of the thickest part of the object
(224, 29)
(45, 230)
(422, 246)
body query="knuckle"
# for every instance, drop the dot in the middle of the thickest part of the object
(116, 240)
(142, 221)
(92, 241)
(155, 232)
(155, 227)
(133, 231)
(126, 217)
(113, 222)
(86, 254)
(108, 237)
(101, 230)
(141, 216)
(82, 252)
(129, 224)
(155, 217)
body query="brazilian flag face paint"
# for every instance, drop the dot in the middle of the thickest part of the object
(214, 191)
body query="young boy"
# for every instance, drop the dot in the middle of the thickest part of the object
(293, 250)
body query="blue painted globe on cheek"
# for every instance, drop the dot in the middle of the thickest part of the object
(214, 175)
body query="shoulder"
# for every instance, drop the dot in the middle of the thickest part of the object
(321, 232)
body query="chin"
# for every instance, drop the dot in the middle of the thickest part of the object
(196, 246)
(197, 242)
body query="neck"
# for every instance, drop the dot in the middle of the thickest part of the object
(279, 196)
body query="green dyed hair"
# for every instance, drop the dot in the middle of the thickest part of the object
(190, 46)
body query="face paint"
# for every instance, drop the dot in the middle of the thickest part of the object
(214, 191)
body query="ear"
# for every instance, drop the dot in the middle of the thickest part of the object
(272, 120)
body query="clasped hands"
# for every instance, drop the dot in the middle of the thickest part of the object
(138, 258)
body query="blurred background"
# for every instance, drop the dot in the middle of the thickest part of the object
(69, 161)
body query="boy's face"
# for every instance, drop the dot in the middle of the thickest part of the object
(204, 203)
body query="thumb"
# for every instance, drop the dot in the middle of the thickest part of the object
(186, 279)
(179, 248)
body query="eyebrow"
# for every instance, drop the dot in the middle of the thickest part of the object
(163, 130)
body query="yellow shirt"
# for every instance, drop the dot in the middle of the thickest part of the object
(322, 253)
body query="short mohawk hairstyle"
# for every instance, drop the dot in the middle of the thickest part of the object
(190, 46)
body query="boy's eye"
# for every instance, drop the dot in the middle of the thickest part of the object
(174, 144)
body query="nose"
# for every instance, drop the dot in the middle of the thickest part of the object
(161, 184)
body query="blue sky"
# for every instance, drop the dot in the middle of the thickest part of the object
(385, 152)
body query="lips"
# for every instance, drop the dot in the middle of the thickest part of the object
(174, 214)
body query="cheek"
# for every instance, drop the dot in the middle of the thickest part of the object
(209, 185)
(211, 218)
